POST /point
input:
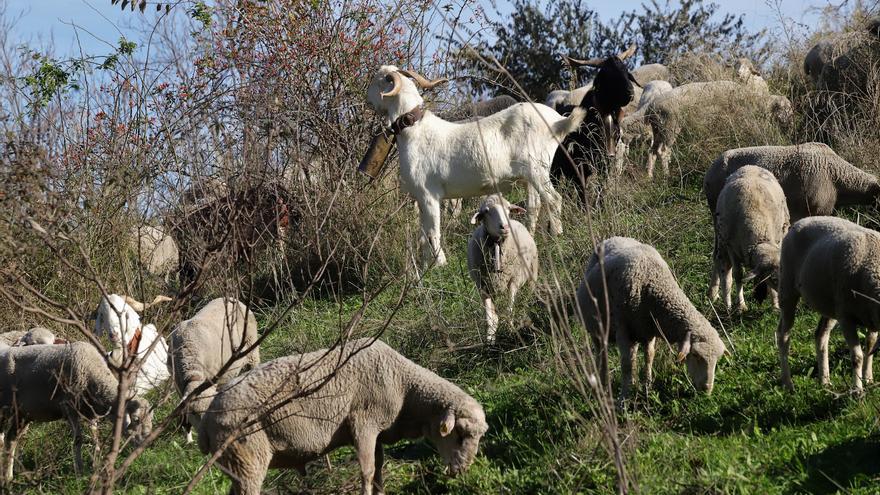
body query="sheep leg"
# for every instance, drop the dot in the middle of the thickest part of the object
(533, 205)
(823, 331)
(365, 445)
(720, 276)
(738, 278)
(75, 428)
(429, 242)
(378, 482)
(788, 304)
(665, 157)
(626, 363)
(9, 456)
(650, 350)
(868, 366)
(652, 157)
(727, 281)
(491, 319)
(774, 296)
(855, 349)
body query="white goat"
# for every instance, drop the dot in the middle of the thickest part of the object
(117, 317)
(440, 159)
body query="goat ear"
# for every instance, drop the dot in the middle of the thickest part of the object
(632, 78)
(516, 209)
(447, 424)
(478, 216)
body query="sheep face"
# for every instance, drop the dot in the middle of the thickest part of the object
(116, 319)
(701, 361)
(494, 214)
(391, 95)
(765, 271)
(138, 422)
(457, 437)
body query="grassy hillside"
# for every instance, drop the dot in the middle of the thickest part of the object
(749, 436)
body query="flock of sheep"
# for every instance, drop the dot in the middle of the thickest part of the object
(769, 205)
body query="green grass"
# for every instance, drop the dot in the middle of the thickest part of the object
(749, 436)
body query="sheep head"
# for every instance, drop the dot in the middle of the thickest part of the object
(394, 92)
(494, 214)
(700, 352)
(765, 269)
(456, 434)
(138, 421)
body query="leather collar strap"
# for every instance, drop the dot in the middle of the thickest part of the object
(135, 342)
(406, 120)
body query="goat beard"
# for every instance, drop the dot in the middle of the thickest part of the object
(377, 154)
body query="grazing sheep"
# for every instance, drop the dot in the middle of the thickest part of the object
(294, 409)
(751, 219)
(441, 160)
(501, 255)
(634, 127)
(815, 179)
(834, 265)
(841, 63)
(117, 317)
(156, 250)
(470, 111)
(669, 112)
(202, 345)
(43, 383)
(645, 302)
(596, 138)
(34, 336)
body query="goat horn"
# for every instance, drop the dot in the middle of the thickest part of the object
(422, 81)
(158, 300)
(576, 62)
(134, 303)
(398, 84)
(627, 53)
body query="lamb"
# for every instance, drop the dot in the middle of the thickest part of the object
(117, 317)
(440, 159)
(294, 409)
(501, 256)
(645, 301)
(667, 113)
(44, 383)
(815, 179)
(156, 250)
(204, 344)
(751, 219)
(833, 265)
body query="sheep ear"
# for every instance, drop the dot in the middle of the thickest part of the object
(447, 424)
(516, 209)
(478, 216)
(685, 348)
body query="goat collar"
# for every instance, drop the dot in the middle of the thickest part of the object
(407, 120)
(135, 342)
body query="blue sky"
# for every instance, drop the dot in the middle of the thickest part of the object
(99, 22)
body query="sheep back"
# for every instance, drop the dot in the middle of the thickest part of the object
(200, 346)
(40, 381)
(315, 404)
(810, 174)
(833, 264)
